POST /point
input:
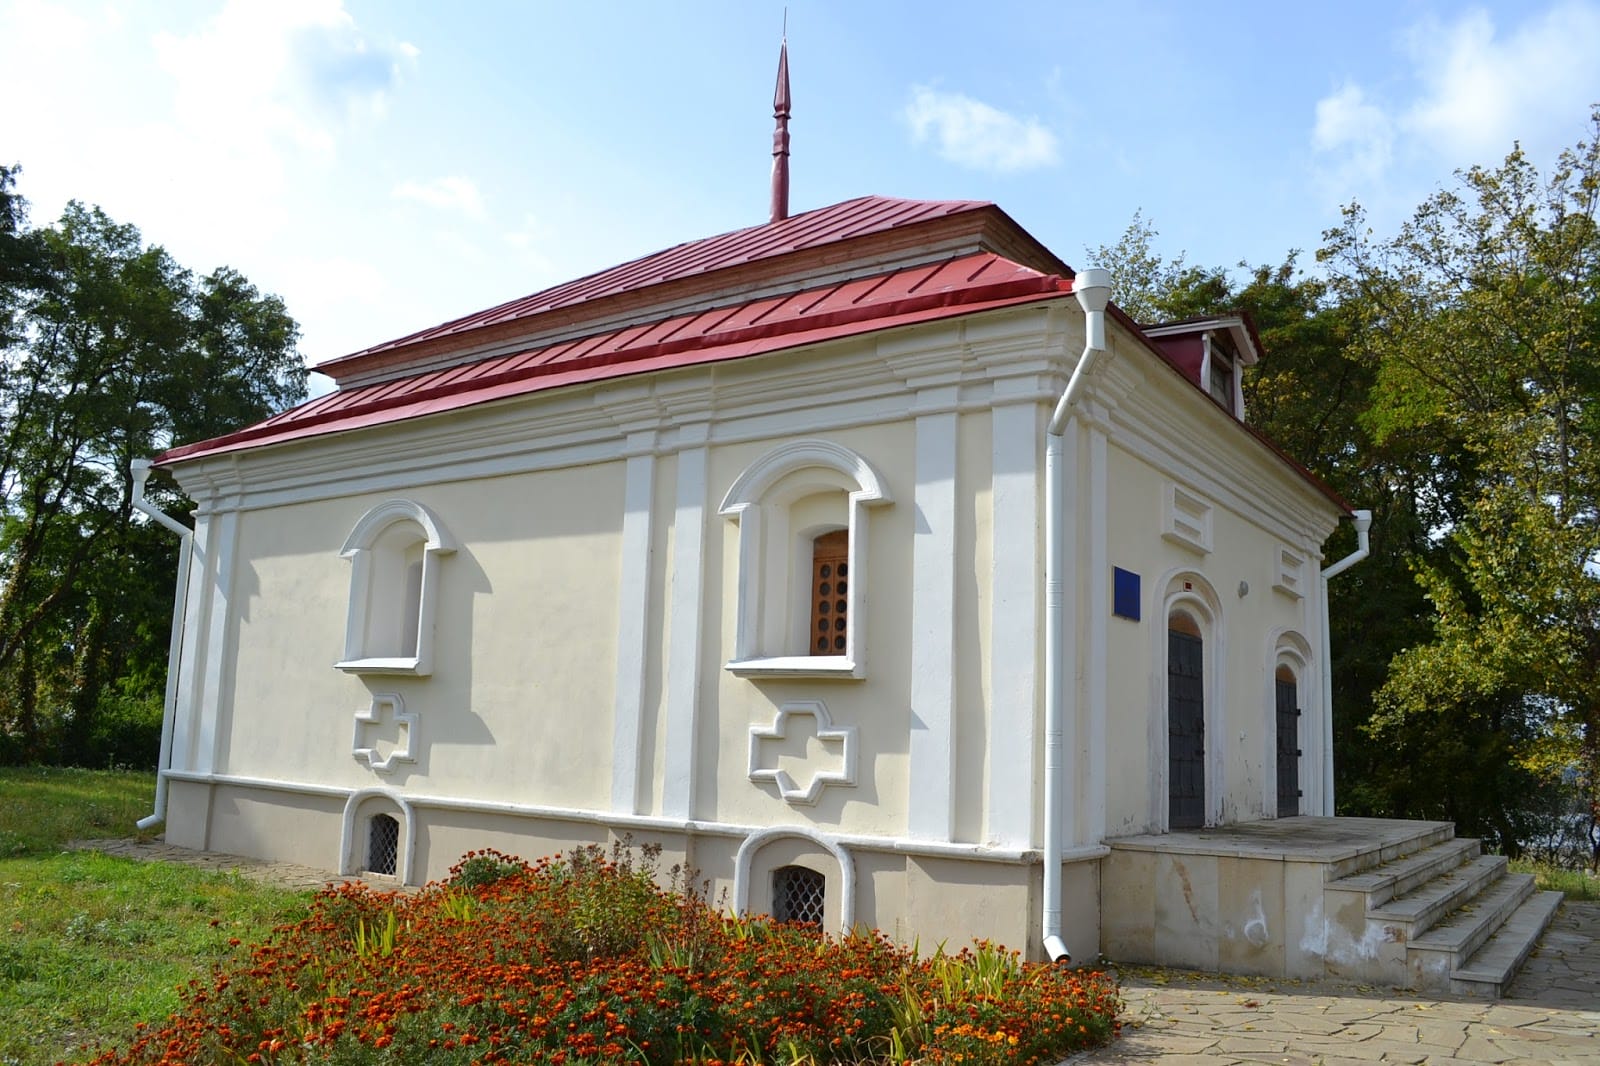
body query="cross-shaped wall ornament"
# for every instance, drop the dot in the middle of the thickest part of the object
(787, 744)
(385, 727)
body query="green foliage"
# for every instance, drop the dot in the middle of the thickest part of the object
(91, 945)
(1478, 320)
(109, 351)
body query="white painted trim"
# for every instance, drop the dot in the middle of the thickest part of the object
(633, 629)
(1097, 515)
(818, 666)
(887, 845)
(1015, 641)
(350, 859)
(1185, 518)
(762, 520)
(223, 537)
(1289, 577)
(186, 700)
(826, 732)
(369, 567)
(683, 650)
(930, 807)
(372, 715)
(753, 843)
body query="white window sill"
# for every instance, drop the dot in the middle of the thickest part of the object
(821, 666)
(412, 666)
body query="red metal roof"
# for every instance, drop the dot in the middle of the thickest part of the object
(826, 225)
(924, 293)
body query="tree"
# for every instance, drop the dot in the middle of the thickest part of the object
(1481, 320)
(113, 352)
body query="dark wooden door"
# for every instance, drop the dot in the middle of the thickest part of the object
(1288, 717)
(1186, 731)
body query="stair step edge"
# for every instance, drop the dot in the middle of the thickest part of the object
(1490, 908)
(1444, 893)
(1503, 954)
(1397, 870)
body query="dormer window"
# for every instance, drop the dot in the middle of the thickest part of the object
(1219, 376)
(1212, 353)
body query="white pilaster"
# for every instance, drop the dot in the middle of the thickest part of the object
(224, 531)
(683, 653)
(933, 596)
(632, 627)
(197, 601)
(1096, 507)
(1014, 638)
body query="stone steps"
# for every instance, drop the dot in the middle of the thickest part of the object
(1382, 883)
(1443, 918)
(1493, 966)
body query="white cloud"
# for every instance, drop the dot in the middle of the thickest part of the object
(1348, 123)
(452, 193)
(1483, 90)
(1477, 89)
(298, 70)
(974, 134)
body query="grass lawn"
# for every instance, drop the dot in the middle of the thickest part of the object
(90, 945)
(1579, 885)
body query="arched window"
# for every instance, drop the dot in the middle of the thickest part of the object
(802, 511)
(394, 552)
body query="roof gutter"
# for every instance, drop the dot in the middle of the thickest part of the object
(1093, 290)
(169, 705)
(1363, 520)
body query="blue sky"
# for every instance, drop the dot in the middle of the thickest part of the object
(386, 165)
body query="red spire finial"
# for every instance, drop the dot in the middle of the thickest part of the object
(780, 135)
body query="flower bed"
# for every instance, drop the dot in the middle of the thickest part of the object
(586, 960)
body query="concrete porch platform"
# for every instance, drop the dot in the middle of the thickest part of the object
(1402, 903)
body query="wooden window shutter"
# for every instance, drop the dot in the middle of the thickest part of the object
(830, 585)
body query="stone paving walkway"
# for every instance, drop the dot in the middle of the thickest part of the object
(1550, 1015)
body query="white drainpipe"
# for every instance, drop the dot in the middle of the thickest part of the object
(1093, 289)
(141, 473)
(1363, 524)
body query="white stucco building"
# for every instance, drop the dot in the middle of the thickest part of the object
(745, 548)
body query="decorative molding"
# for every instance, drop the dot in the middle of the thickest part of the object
(825, 731)
(836, 847)
(1290, 575)
(350, 846)
(378, 571)
(1185, 519)
(763, 523)
(369, 722)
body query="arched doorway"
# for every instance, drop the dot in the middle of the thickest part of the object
(1287, 716)
(1186, 723)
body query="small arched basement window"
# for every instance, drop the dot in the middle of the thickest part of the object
(799, 894)
(383, 844)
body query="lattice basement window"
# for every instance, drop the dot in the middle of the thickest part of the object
(383, 844)
(798, 894)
